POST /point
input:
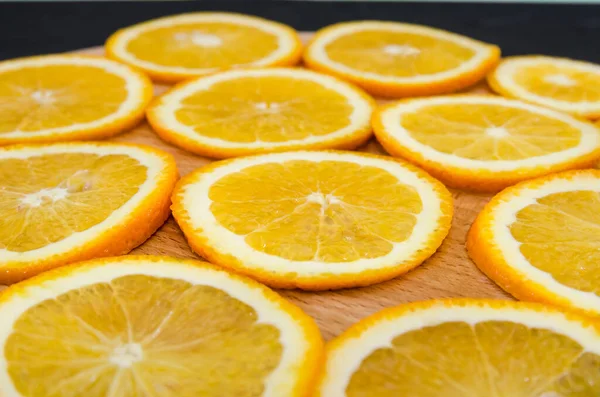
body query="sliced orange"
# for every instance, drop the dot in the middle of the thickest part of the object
(63, 203)
(540, 240)
(485, 143)
(153, 326)
(257, 111)
(69, 97)
(393, 59)
(465, 347)
(179, 47)
(313, 220)
(559, 83)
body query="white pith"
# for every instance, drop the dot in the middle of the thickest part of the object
(171, 102)
(504, 214)
(391, 119)
(317, 51)
(286, 39)
(560, 80)
(196, 202)
(345, 360)
(155, 167)
(199, 39)
(135, 86)
(292, 337)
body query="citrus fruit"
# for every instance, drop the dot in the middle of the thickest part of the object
(393, 59)
(63, 203)
(465, 347)
(255, 111)
(559, 83)
(539, 240)
(69, 97)
(485, 143)
(179, 47)
(153, 326)
(313, 220)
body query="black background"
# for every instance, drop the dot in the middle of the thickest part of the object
(553, 29)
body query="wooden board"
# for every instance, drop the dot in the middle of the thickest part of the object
(448, 273)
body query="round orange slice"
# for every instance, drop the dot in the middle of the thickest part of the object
(559, 83)
(257, 111)
(63, 203)
(485, 143)
(540, 240)
(393, 59)
(179, 47)
(313, 220)
(465, 347)
(69, 97)
(153, 326)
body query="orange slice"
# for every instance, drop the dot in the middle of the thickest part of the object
(558, 83)
(179, 47)
(393, 59)
(153, 326)
(485, 143)
(68, 97)
(256, 111)
(63, 203)
(313, 220)
(540, 240)
(465, 347)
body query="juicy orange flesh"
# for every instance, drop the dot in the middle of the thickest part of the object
(561, 83)
(490, 358)
(39, 98)
(205, 45)
(560, 234)
(489, 132)
(268, 109)
(47, 198)
(329, 211)
(139, 336)
(397, 54)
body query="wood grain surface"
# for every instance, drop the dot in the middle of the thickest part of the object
(448, 273)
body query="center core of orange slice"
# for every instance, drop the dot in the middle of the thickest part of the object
(198, 38)
(126, 355)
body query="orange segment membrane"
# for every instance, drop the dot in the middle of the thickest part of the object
(178, 340)
(560, 235)
(204, 45)
(265, 109)
(45, 199)
(560, 83)
(328, 211)
(397, 54)
(39, 98)
(489, 132)
(490, 358)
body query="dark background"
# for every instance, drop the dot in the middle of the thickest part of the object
(554, 29)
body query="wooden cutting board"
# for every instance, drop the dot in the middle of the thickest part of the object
(448, 273)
